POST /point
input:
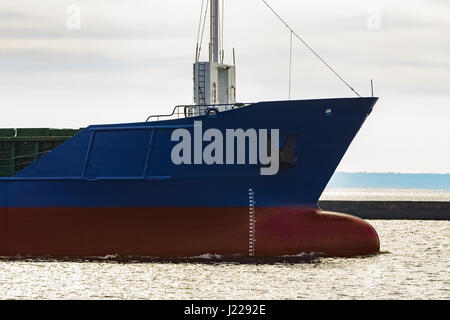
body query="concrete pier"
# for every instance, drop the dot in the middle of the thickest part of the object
(390, 210)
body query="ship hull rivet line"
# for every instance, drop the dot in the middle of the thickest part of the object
(252, 223)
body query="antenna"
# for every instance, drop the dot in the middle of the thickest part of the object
(234, 58)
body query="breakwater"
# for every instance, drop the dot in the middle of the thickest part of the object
(390, 210)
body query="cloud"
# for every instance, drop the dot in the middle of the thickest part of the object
(134, 57)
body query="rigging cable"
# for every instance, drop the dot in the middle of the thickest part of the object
(311, 49)
(203, 30)
(290, 68)
(198, 32)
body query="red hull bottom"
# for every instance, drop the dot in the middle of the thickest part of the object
(170, 232)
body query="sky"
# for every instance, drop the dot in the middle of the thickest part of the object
(124, 60)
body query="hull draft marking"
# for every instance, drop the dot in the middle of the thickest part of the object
(252, 223)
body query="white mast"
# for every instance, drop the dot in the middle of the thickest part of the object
(214, 43)
(214, 81)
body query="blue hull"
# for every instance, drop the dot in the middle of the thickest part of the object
(129, 164)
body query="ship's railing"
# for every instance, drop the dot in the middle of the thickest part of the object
(187, 111)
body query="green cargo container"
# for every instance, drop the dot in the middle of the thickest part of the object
(20, 147)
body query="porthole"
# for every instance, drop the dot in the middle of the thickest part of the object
(212, 112)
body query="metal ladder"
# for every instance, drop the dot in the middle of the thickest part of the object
(201, 83)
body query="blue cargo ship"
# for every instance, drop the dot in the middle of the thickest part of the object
(222, 178)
